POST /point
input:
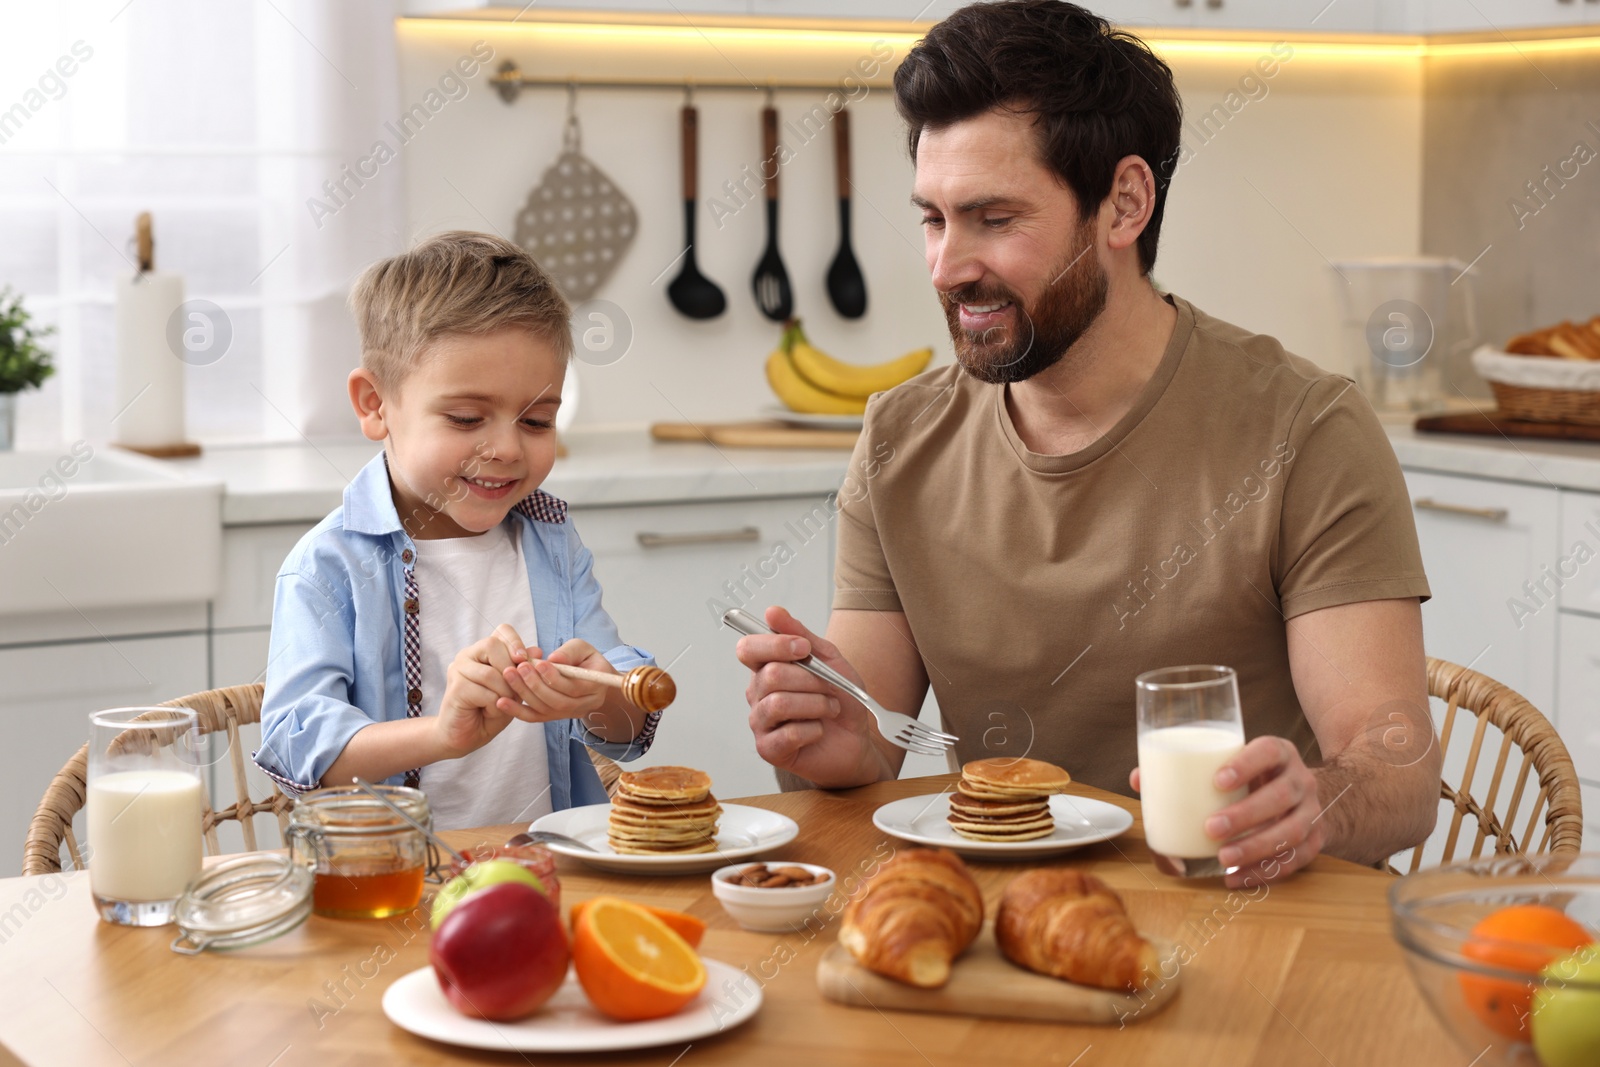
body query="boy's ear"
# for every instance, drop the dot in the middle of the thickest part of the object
(368, 404)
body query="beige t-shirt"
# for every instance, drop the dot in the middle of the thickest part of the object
(1245, 486)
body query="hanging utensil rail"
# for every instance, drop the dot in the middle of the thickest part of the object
(509, 82)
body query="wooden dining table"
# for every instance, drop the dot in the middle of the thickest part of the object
(1304, 971)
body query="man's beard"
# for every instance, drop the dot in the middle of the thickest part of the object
(1041, 334)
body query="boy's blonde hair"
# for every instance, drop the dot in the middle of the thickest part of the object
(455, 282)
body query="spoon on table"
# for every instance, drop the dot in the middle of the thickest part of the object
(847, 289)
(691, 292)
(548, 837)
(771, 281)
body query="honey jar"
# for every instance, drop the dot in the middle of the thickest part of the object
(367, 862)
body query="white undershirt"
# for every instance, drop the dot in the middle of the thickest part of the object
(467, 586)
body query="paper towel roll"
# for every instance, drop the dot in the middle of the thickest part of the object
(149, 373)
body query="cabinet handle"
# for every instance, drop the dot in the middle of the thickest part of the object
(709, 537)
(1425, 503)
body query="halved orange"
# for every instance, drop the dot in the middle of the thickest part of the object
(685, 925)
(631, 964)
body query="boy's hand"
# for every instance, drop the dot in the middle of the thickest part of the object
(548, 694)
(479, 701)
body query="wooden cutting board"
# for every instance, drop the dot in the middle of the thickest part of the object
(983, 982)
(760, 434)
(1495, 425)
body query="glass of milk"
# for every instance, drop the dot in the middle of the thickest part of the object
(1189, 726)
(143, 811)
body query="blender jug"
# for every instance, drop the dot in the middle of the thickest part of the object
(1408, 326)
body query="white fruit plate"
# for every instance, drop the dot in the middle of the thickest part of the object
(568, 1022)
(778, 413)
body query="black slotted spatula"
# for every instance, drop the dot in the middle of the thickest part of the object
(771, 281)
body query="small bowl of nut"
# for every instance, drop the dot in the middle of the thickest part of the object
(774, 897)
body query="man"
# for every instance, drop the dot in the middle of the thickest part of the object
(1110, 481)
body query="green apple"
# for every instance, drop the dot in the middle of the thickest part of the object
(1566, 1020)
(479, 876)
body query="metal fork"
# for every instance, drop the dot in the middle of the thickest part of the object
(901, 730)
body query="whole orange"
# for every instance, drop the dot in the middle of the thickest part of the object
(1524, 938)
(687, 926)
(631, 964)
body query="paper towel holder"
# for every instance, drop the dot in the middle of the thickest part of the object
(143, 243)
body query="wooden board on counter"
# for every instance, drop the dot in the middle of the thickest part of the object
(1495, 425)
(755, 434)
(983, 982)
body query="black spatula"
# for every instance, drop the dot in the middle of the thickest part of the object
(771, 281)
(847, 289)
(691, 292)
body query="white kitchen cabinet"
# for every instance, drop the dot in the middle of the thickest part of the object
(1577, 714)
(1222, 16)
(239, 657)
(668, 569)
(251, 557)
(1493, 16)
(1481, 541)
(68, 625)
(659, 7)
(45, 704)
(1126, 12)
(1578, 566)
(1299, 16)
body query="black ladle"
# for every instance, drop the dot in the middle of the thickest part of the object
(847, 289)
(691, 292)
(771, 281)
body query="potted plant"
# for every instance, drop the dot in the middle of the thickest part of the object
(24, 364)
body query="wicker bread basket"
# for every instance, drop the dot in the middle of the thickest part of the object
(1541, 388)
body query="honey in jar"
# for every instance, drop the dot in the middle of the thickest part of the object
(367, 862)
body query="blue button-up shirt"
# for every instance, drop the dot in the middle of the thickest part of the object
(346, 650)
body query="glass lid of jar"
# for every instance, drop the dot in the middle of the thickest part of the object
(344, 809)
(244, 900)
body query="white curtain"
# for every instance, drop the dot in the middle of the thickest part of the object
(224, 119)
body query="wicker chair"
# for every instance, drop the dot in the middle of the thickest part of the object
(217, 709)
(1553, 821)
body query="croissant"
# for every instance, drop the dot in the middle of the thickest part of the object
(913, 917)
(1534, 343)
(1070, 925)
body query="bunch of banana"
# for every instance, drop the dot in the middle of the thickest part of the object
(815, 383)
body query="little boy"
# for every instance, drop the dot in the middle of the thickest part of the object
(398, 622)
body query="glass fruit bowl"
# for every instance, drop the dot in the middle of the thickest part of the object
(1504, 951)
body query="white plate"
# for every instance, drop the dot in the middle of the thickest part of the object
(568, 1022)
(1079, 821)
(742, 832)
(778, 413)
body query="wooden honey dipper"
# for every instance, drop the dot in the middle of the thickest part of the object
(646, 688)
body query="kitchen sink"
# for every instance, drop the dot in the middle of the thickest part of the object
(91, 526)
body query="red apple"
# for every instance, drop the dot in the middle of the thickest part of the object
(501, 952)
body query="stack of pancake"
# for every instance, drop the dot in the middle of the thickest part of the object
(1006, 799)
(663, 811)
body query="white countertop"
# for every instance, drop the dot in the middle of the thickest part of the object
(303, 481)
(1561, 464)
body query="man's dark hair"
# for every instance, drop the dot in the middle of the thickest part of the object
(1098, 94)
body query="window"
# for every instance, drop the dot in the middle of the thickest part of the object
(222, 118)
